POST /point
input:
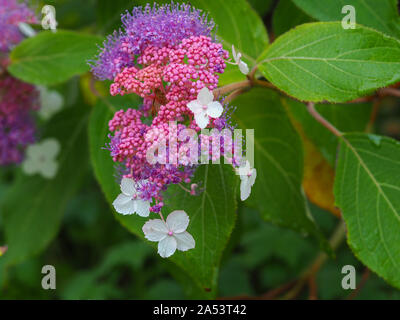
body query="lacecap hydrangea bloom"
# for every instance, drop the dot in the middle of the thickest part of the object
(169, 56)
(17, 99)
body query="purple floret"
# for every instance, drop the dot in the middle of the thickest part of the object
(157, 25)
(11, 14)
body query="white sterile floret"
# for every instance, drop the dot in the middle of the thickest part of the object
(238, 61)
(170, 235)
(205, 107)
(248, 177)
(128, 202)
(50, 102)
(41, 158)
(26, 30)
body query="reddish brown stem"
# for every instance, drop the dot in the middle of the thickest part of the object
(312, 284)
(374, 115)
(311, 109)
(390, 92)
(363, 280)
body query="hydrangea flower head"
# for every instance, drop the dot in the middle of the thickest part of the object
(167, 55)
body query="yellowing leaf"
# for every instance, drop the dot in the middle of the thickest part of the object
(318, 179)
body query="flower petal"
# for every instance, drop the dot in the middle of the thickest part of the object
(244, 170)
(253, 177)
(178, 221)
(205, 96)
(50, 148)
(167, 247)
(49, 169)
(124, 204)
(142, 208)
(34, 151)
(30, 166)
(244, 68)
(195, 107)
(234, 53)
(245, 189)
(215, 109)
(202, 120)
(128, 187)
(155, 230)
(26, 29)
(51, 102)
(184, 241)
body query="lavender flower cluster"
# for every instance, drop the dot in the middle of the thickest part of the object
(17, 99)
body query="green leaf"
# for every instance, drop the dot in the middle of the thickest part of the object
(345, 117)
(34, 206)
(322, 61)
(278, 158)
(212, 219)
(381, 15)
(286, 16)
(212, 213)
(51, 58)
(261, 6)
(367, 190)
(238, 25)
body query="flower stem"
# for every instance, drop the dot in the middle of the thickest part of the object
(335, 241)
(231, 87)
(311, 109)
(390, 92)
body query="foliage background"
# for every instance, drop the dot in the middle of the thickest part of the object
(96, 258)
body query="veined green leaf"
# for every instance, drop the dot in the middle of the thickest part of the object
(277, 193)
(239, 25)
(367, 190)
(345, 117)
(381, 15)
(322, 61)
(51, 58)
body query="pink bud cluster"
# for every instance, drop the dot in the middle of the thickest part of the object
(172, 76)
(131, 141)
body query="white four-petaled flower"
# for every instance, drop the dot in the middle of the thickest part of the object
(50, 102)
(248, 177)
(170, 235)
(40, 158)
(205, 107)
(128, 202)
(238, 61)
